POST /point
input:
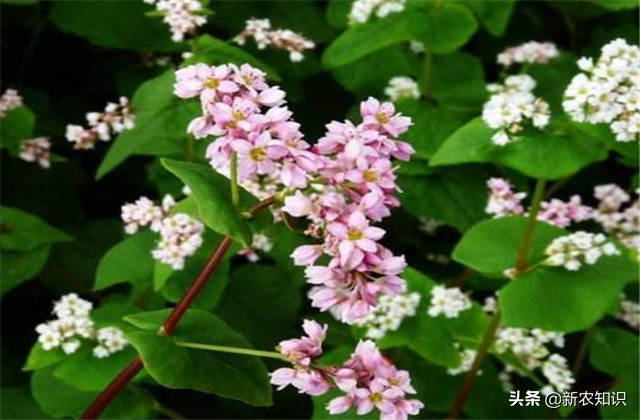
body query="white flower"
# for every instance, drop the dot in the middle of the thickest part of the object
(402, 87)
(503, 201)
(629, 313)
(624, 224)
(181, 236)
(389, 313)
(529, 52)
(361, 10)
(571, 251)
(111, 340)
(102, 126)
(608, 91)
(557, 372)
(448, 301)
(260, 31)
(182, 16)
(36, 150)
(467, 356)
(10, 100)
(512, 105)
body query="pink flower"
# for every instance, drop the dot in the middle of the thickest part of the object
(376, 114)
(302, 351)
(377, 395)
(193, 80)
(355, 237)
(298, 205)
(306, 254)
(250, 78)
(340, 405)
(255, 155)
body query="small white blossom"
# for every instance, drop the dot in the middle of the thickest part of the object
(9, 100)
(629, 313)
(362, 10)
(389, 314)
(416, 47)
(557, 372)
(284, 39)
(608, 91)
(111, 340)
(574, 250)
(102, 126)
(260, 243)
(528, 53)
(503, 201)
(511, 106)
(402, 87)
(36, 150)
(623, 224)
(182, 16)
(467, 357)
(448, 301)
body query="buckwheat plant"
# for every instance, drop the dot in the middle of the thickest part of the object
(102, 126)
(183, 16)
(36, 150)
(9, 100)
(283, 39)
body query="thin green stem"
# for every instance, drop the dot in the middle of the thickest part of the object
(235, 189)
(234, 350)
(523, 252)
(427, 75)
(472, 374)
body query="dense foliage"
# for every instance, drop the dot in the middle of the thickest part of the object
(278, 209)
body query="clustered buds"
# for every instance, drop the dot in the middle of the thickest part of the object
(513, 105)
(283, 39)
(367, 379)
(467, 356)
(9, 100)
(388, 314)
(622, 223)
(448, 302)
(528, 53)
(574, 250)
(503, 201)
(260, 243)
(608, 90)
(180, 234)
(182, 16)
(342, 185)
(72, 324)
(361, 10)
(402, 87)
(36, 150)
(102, 126)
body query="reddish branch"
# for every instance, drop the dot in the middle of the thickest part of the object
(112, 390)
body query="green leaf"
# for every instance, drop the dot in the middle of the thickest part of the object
(17, 403)
(492, 246)
(456, 196)
(40, 358)
(160, 128)
(432, 125)
(17, 125)
(459, 82)
(18, 267)
(129, 261)
(556, 299)
(552, 154)
(615, 352)
(211, 50)
(260, 295)
(493, 15)
(616, 4)
(25, 232)
(442, 30)
(60, 400)
(237, 377)
(109, 24)
(211, 192)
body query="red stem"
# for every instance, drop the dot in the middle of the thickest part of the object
(112, 390)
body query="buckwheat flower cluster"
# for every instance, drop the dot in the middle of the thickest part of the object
(356, 190)
(389, 314)
(503, 201)
(284, 39)
(629, 312)
(367, 379)
(467, 356)
(182, 16)
(36, 150)
(9, 100)
(562, 214)
(622, 223)
(72, 324)
(180, 234)
(362, 10)
(607, 91)
(448, 302)
(528, 53)
(102, 126)
(402, 87)
(557, 372)
(110, 340)
(574, 250)
(260, 243)
(511, 106)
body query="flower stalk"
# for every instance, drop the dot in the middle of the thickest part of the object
(233, 350)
